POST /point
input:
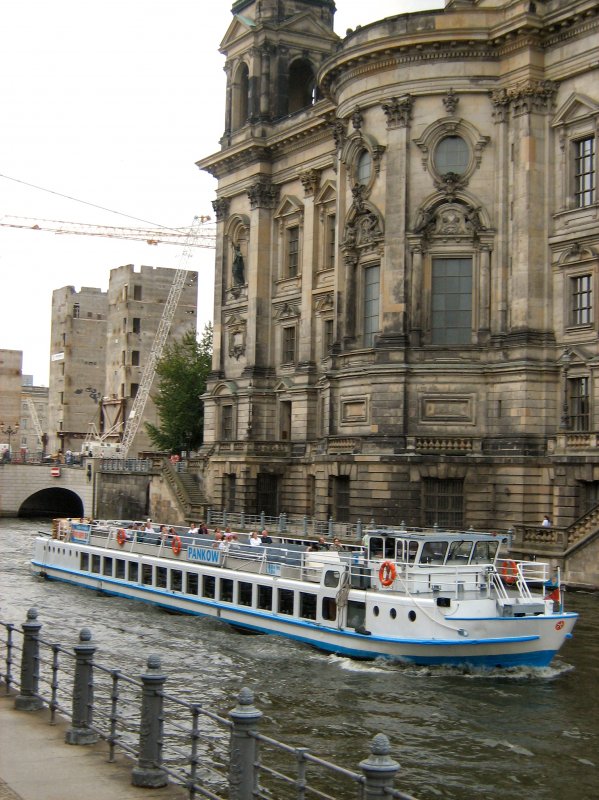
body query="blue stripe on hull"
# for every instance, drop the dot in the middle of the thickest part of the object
(529, 658)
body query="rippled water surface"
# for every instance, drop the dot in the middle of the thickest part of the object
(458, 735)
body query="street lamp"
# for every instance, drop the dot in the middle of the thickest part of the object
(9, 431)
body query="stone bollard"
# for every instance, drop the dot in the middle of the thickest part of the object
(27, 699)
(379, 769)
(244, 747)
(148, 771)
(80, 731)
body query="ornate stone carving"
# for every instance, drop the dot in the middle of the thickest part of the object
(236, 328)
(262, 195)
(523, 98)
(221, 208)
(357, 119)
(324, 303)
(450, 183)
(358, 191)
(454, 220)
(310, 181)
(399, 111)
(450, 101)
(287, 310)
(339, 133)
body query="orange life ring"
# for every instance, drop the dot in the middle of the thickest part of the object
(121, 537)
(509, 572)
(176, 545)
(387, 573)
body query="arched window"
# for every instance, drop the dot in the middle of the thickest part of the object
(302, 83)
(364, 168)
(241, 97)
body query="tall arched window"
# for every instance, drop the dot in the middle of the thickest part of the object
(301, 90)
(240, 108)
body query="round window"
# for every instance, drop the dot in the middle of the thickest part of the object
(364, 168)
(393, 613)
(375, 611)
(452, 155)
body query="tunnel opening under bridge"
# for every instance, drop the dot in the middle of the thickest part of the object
(55, 502)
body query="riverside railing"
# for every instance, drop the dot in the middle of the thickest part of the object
(171, 739)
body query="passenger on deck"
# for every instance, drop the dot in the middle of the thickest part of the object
(218, 538)
(255, 540)
(322, 543)
(163, 535)
(193, 529)
(264, 536)
(203, 528)
(337, 544)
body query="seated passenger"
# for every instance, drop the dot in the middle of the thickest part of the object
(255, 540)
(193, 529)
(337, 544)
(265, 537)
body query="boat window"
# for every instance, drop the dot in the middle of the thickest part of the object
(107, 567)
(161, 577)
(176, 580)
(329, 609)
(433, 552)
(484, 552)
(307, 605)
(459, 552)
(226, 590)
(375, 611)
(265, 597)
(209, 586)
(244, 593)
(119, 571)
(285, 601)
(393, 613)
(390, 548)
(191, 583)
(133, 570)
(95, 564)
(331, 579)
(84, 561)
(412, 550)
(146, 574)
(356, 614)
(375, 547)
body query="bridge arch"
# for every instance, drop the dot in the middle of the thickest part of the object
(52, 502)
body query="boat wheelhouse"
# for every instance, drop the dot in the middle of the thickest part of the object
(415, 596)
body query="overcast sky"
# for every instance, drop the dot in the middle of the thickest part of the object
(112, 104)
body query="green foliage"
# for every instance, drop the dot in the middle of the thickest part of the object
(182, 373)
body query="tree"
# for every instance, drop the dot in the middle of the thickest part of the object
(182, 372)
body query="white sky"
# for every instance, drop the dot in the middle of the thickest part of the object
(111, 103)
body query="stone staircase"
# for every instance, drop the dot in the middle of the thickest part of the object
(187, 488)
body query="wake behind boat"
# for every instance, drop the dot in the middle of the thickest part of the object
(413, 596)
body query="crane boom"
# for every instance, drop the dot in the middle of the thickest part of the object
(206, 235)
(164, 326)
(35, 419)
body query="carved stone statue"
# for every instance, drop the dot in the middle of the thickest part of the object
(238, 268)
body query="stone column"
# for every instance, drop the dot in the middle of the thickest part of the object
(393, 268)
(309, 260)
(262, 196)
(416, 315)
(221, 211)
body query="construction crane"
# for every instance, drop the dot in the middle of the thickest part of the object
(206, 235)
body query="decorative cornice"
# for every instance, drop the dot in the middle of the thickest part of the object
(262, 195)
(399, 111)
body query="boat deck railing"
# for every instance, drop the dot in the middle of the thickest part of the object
(292, 558)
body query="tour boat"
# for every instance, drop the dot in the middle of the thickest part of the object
(417, 596)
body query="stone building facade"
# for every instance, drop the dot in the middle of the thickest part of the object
(11, 375)
(77, 356)
(407, 264)
(100, 343)
(33, 430)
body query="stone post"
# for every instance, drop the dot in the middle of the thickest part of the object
(148, 772)
(27, 699)
(244, 747)
(379, 769)
(80, 731)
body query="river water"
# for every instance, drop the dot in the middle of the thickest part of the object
(458, 735)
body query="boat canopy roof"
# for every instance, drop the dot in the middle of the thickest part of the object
(423, 535)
